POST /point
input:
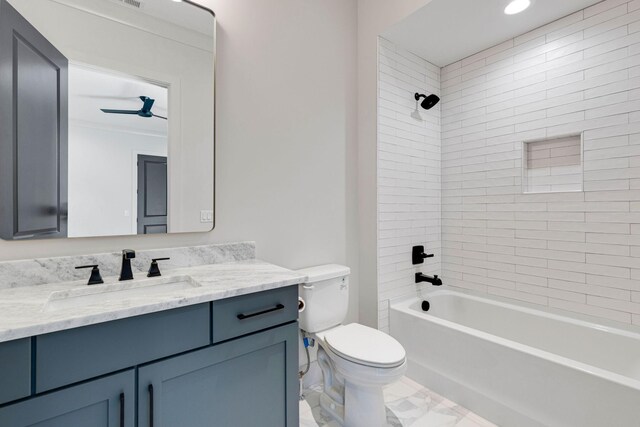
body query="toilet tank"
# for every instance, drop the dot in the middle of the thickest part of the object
(325, 296)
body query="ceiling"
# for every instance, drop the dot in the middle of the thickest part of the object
(446, 31)
(91, 89)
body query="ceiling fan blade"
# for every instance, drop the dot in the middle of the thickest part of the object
(108, 98)
(104, 110)
(145, 112)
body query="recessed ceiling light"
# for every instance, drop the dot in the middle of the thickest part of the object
(517, 6)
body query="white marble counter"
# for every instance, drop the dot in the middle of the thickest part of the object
(34, 310)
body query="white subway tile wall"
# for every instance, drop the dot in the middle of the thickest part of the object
(575, 251)
(409, 183)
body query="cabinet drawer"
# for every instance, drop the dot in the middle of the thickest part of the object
(78, 354)
(15, 370)
(246, 314)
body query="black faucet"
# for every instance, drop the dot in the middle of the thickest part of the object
(435, 280)
(125, 272)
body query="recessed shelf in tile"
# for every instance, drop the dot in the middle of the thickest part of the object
(552, 165)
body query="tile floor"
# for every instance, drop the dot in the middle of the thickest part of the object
(408, 405)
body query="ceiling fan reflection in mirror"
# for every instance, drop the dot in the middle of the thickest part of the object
(144, 112)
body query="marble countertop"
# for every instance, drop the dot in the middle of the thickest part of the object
(35, 310)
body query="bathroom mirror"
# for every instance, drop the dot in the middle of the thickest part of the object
(106, 118)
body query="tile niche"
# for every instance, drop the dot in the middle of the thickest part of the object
(552, 165)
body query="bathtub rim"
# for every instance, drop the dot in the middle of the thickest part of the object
(405, 305)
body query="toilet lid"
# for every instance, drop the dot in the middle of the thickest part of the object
(366, 346)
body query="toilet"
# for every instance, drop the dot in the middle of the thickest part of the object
(356, 361)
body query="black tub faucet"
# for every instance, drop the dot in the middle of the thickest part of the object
(125, 272)
(435, 280)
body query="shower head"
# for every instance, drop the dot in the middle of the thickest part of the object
(429, 101)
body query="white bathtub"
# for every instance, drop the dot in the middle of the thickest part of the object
(519, 366)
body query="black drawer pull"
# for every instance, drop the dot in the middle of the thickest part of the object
(150, 405)
(260, 313)
(121, 409)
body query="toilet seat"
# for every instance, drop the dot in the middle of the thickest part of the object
(365, 346)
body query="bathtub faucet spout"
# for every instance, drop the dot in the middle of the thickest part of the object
(435, 280)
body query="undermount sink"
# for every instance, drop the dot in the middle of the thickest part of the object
(121, 293)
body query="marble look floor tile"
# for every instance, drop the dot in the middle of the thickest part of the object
(408, 405)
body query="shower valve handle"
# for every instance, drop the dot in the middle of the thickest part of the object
(418, 255)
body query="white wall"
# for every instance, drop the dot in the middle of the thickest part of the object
(286, 123)
(574, 251)
(408, 174)
(103, 179)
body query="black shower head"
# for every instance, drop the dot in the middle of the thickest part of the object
(429, 101)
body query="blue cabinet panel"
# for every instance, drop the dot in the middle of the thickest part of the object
(15, 370)
(107, 402)
(250, 381)
(78, 354)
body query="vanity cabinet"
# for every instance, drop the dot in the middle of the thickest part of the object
(106, 402)
(162, 369)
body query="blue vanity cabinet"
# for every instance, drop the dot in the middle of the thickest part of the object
(105, 402)
(249, 381)
(230, 362)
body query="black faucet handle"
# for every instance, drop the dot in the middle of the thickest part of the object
(154, 269)
(418, 255)
(96, 278)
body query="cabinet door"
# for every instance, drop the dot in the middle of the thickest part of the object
(107, 402)
(33, 131)
(248, 382)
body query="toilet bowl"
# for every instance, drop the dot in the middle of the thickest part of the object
(356, 361)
